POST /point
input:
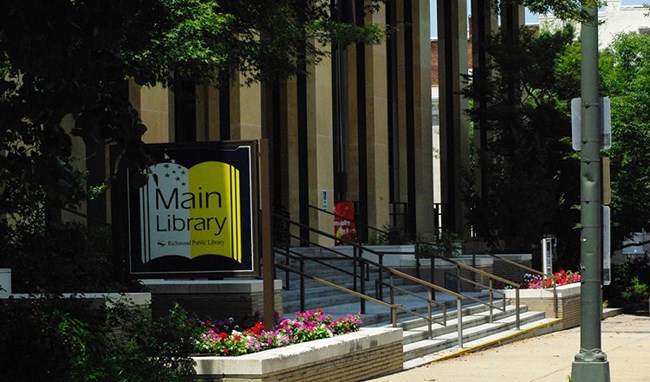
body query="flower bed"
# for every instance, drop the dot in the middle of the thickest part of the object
(362, 355)
(308, 347)
(562, 277)
(228, 338)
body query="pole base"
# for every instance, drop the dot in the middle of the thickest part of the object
(594, 371)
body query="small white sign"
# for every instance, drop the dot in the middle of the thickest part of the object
(547, 255)
(607, 255)
(605, 124)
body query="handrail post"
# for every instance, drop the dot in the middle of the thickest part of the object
(555, 307)
(302, 285)
(429, 314)
(363, 285)
(381, 277)
(287, 274)
(459, 319)
(432, 272)
(518, 320)
(355, 255)
(417, 261)
(491, 299)
(474, 266)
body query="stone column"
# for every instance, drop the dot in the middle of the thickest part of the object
(320, 147)
(155, 105)
(245, 110)
(423, 133)
(454, 131)
(377, 130)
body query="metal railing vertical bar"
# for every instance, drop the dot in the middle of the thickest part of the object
(491, 299)
(302, 285)
(459, 322)
(518, 317)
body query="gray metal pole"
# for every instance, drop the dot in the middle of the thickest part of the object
(590, 363)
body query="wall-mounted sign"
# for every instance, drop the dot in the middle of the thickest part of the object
(344, 226)
(191, 212)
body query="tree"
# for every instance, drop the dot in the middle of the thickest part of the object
(625, 72)
(531, 181)
(71, 59)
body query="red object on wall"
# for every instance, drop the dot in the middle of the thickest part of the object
(344, 226)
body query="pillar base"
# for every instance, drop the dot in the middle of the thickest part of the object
(595, 371)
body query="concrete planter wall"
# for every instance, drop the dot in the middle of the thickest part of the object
(369, 353)
(542, 300)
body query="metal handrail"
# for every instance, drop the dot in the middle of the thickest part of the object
(532, 270)
(365, 263)
(476, 271)
(393, 307)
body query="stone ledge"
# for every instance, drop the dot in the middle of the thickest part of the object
(563, 291)
(161, 286)
(274, 361)
(132, 299)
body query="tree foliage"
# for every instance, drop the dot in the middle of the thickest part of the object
(71, 59)
(625, 71)
(530, 184)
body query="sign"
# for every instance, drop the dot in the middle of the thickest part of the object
(190, 212)
(607, 246)
(547, 255)
(604, 123)
(325, 200)
(344, 225)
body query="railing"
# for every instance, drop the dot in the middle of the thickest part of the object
(360, 273)
(492, 290)
(530, 270)
(475, 271)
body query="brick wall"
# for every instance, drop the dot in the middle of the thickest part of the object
(356, 366)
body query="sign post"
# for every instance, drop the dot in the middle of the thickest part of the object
(590, 364)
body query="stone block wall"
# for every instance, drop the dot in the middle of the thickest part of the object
(211, 298)
(541, 300)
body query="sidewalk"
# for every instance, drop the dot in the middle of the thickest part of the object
(625, 340)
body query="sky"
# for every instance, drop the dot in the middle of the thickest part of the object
(530, 17)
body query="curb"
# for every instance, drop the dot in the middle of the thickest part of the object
(520, 335)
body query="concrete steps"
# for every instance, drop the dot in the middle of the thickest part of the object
(419, 347)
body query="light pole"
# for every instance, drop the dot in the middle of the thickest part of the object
(590, 364)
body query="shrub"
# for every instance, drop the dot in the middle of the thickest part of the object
(55, 339)
(630, 283)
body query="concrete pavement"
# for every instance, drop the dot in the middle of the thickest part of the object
(625, 340)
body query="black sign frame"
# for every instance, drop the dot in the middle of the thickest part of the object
(128, 215)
